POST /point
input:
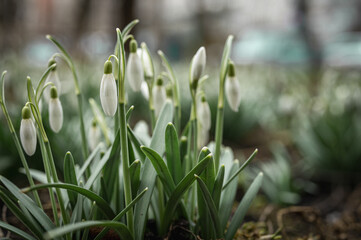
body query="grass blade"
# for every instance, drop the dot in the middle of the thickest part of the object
(101, 203)
(134, 170)
(70, 176)
(243, 206)
(173, 153)
(211, 207)
(16, 231)
(89, 160)
(217, 189)
(121, 229)
(136, 144)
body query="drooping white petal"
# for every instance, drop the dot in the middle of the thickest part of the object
(203, 136)
(144, 90)
(159, 97)
(94, 137)
(54, 78)
(198, 64)
(135, 74)
(233, 93)
(55, 114)
(28, 136)
(148, 70)
(108, 94)
(204, 115)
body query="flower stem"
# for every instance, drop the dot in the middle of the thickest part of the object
(219, 135)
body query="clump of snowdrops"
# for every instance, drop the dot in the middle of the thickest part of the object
(126, 178)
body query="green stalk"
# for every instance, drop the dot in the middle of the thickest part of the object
(219, 136)
(123, 131)
(70, 63)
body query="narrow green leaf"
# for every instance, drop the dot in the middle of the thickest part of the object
(181, 188)
(148, 173)
(136, 144)
(208, 175)
(70, 176)
(129, 113)
(16, 231)
(225, 57)
(88, 161)
(217, 189)
(161, 168)
(37, 212)
(134, 171)
(100, 119)
(120, 228)
(129, 27)
(31, 225)
(243, 206)
(121, 214)
(36, 174)
(241, 168)
(101, 203)
(173, 153)
(211, 207)
(103, 190)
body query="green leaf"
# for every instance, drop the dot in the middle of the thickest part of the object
(208, 175)
(101, 203)
(103, 161)
(225, 57)
(217, 189)
(89, 160)
(31, 225)
(37, 212)
(181, 188)
(129, 113)
(36, 174)
(129, 27)
(241, 168)
(148, 173)
(122, 213)
(211, 207)
(2, 96)
(70, 176)
(161, 168)
(120, 228)
(228, 196)
(16, 231)
(136, 144)
(243, 206)
(100, 119)
(173, 153)
(134, 172)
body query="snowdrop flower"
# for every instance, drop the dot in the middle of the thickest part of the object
(232, 88)
(198, 64)
(147, 62)
(144, 90)
(94, 135)
(55, 111)
(27, 132)
(159, 96)
(204, 114)
(54, 78)
(203, 136)
(135, 72)
(108, 90)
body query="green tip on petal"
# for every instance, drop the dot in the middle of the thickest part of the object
(133, 45)
(203, 98)
(231, 69)
(94, 123)
(169, 91)
(108, 67)
(53, 92)
(51, 62)
(159, 81)
(26, 113)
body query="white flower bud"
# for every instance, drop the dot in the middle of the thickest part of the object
(55, 111)
(147, 62)
(203, 136)
(144, 90)
(108, 91)
(198, 64)
(94, 136)
(232, 88)
(159, 96)
(54, 78)
(204, 114)
(135, 73)
(27, 132)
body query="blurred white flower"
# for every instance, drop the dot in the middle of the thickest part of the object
(204, 114)
(27, 132)
(108, 91)
(198, 64)
(93, 136)
(135, 74)
(232, 89)
(159, 96)
(144, 90)
(54, 78)
(147, 62)
(55, 111)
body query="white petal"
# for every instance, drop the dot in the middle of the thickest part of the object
(203, 136)
(28, 136)
(233, 93)
(144, 90)
(54, 78)
(198, 64)
(204, 115)
(108, 94)
(94, 137)
(147, 64)
(55, 114)
(135, 74)
(159, 97)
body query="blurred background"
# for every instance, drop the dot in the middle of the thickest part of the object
(298, 62)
